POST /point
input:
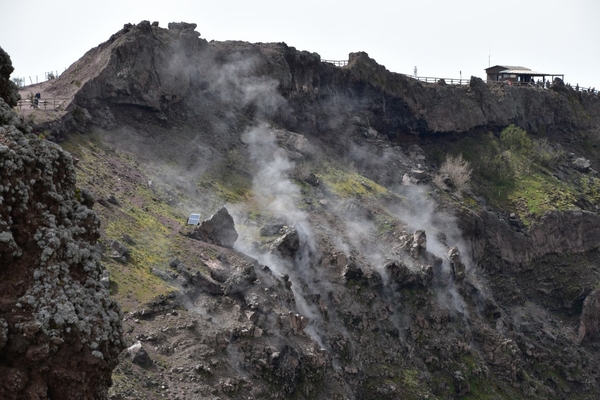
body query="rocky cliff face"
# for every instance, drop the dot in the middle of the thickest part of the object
(60, 333)
(409, 107)
(148, 66)
(343, 273)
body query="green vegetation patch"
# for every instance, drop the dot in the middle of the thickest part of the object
(514, 172)
(534, 194)
(152, 248)
(590, 187)
(141, 216)
(229, 179)
(347, 184)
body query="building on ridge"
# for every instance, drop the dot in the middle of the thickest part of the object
(518, 75)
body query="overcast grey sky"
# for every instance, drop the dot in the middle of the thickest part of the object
(442, 38)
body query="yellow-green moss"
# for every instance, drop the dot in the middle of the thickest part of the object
(512, 172)
(348, 184)
(535, 194)
(131, 283)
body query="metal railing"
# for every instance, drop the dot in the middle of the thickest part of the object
(450, 81)
(51, 104)
(522, 84)
(460, 81)
(584, 90)
(337, 63)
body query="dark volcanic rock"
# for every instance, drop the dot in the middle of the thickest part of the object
(352, 272)
(156, 68)
(194, 280)
(219, 229)
(582, 164)
(139, 355)
(567, 232)
(240, 280)
(271, 229)
(118, 251)
(589, 328)
(409, 277)
(288, 244)
(206, 284)
(458, 268)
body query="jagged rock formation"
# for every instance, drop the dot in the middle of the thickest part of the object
(60, 333)
(174, 66)
(348, 280)
(219, 229)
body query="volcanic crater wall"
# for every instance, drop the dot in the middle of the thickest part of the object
(157, 69)
(146, 73)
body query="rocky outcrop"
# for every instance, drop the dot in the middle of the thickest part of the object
(457, 266)
(139, 355)
(589, 328)
(140, 65)
(159, 69)
(398, 105)
(60, 333)
(288, 244)
(219, 229)
(406, 277)
(557, 232)
(566, 232)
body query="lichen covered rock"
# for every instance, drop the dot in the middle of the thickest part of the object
(58, 326)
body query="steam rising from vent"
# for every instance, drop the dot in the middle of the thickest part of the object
(273, 189)
(238, 83)
(442, 232)
(278, 194)
(241, 89)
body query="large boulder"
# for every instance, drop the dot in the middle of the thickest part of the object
(139, 355)
(119, 252)
(219, 229)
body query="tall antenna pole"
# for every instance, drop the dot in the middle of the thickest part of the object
(489, 55)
